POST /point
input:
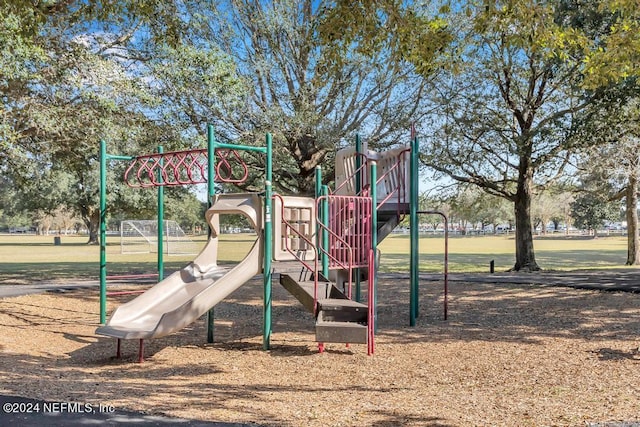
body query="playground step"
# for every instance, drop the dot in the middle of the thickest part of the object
(387, 221)
(303, 290)
(343, 332)
(393, 208)
(342, 310)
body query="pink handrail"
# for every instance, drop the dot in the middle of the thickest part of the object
(370, 303)
(338, 262)
(362, 170)
(349, 232)
(398, 167)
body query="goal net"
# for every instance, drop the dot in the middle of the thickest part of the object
(141, 236)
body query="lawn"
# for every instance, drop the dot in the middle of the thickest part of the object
(474, 253)
(36, 257)
(26, 257)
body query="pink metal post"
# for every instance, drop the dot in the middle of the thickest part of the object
(370, 311)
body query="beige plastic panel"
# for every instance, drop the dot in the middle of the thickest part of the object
(300, 212)
(346, 169)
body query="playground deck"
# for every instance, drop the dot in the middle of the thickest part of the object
(510, 354)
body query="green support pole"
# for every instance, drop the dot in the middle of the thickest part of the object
(318, 193)
(358, 190)
(211, 191)
(268, 246)
(325, 234)
(373, 175)
(318, 181)
(160, 220)
(414, 238)
(103, 231)
(103, 225)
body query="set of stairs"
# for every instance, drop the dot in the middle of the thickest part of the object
(338, 319)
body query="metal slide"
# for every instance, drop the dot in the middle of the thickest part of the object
(183, 297)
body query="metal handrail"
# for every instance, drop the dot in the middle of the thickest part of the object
(370, 304)
(398, 167)
(340, 263)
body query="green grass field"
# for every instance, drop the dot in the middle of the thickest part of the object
(28, 257)
(474, 253)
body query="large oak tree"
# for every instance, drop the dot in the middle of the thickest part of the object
(507, 107)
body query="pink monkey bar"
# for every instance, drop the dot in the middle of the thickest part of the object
(184, 167)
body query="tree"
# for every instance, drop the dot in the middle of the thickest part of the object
(613, 163)
(301, 94)
(590, 210)
(617, 62)
(72, 75)
(562, 211)
(505, 113)
(547, 206)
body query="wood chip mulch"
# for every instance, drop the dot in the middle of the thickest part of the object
(509, 355)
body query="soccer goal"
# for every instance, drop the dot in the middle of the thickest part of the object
(141, 236)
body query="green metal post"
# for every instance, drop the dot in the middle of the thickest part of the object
(325, 234)
(318, 193)
(268, 249)
(160, 220)
(373, 177)
(414, 238)
(103, 231)
(211, 191)
(358, 190)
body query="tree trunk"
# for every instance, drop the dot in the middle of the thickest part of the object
(525, 255)
(93, 225)
(633, 235)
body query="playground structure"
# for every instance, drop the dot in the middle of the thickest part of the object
(331, 239)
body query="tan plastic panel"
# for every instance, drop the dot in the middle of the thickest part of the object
(346, 169)
(300, 212)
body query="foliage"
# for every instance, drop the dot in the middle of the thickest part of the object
(73, 75)
(617, 56)
(504, 115)
(193, 86)
(589, 211)
(613, 164)
(552, 205)
(309, 107)
(366, 27)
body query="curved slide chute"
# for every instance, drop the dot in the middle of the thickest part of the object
(184, 296)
